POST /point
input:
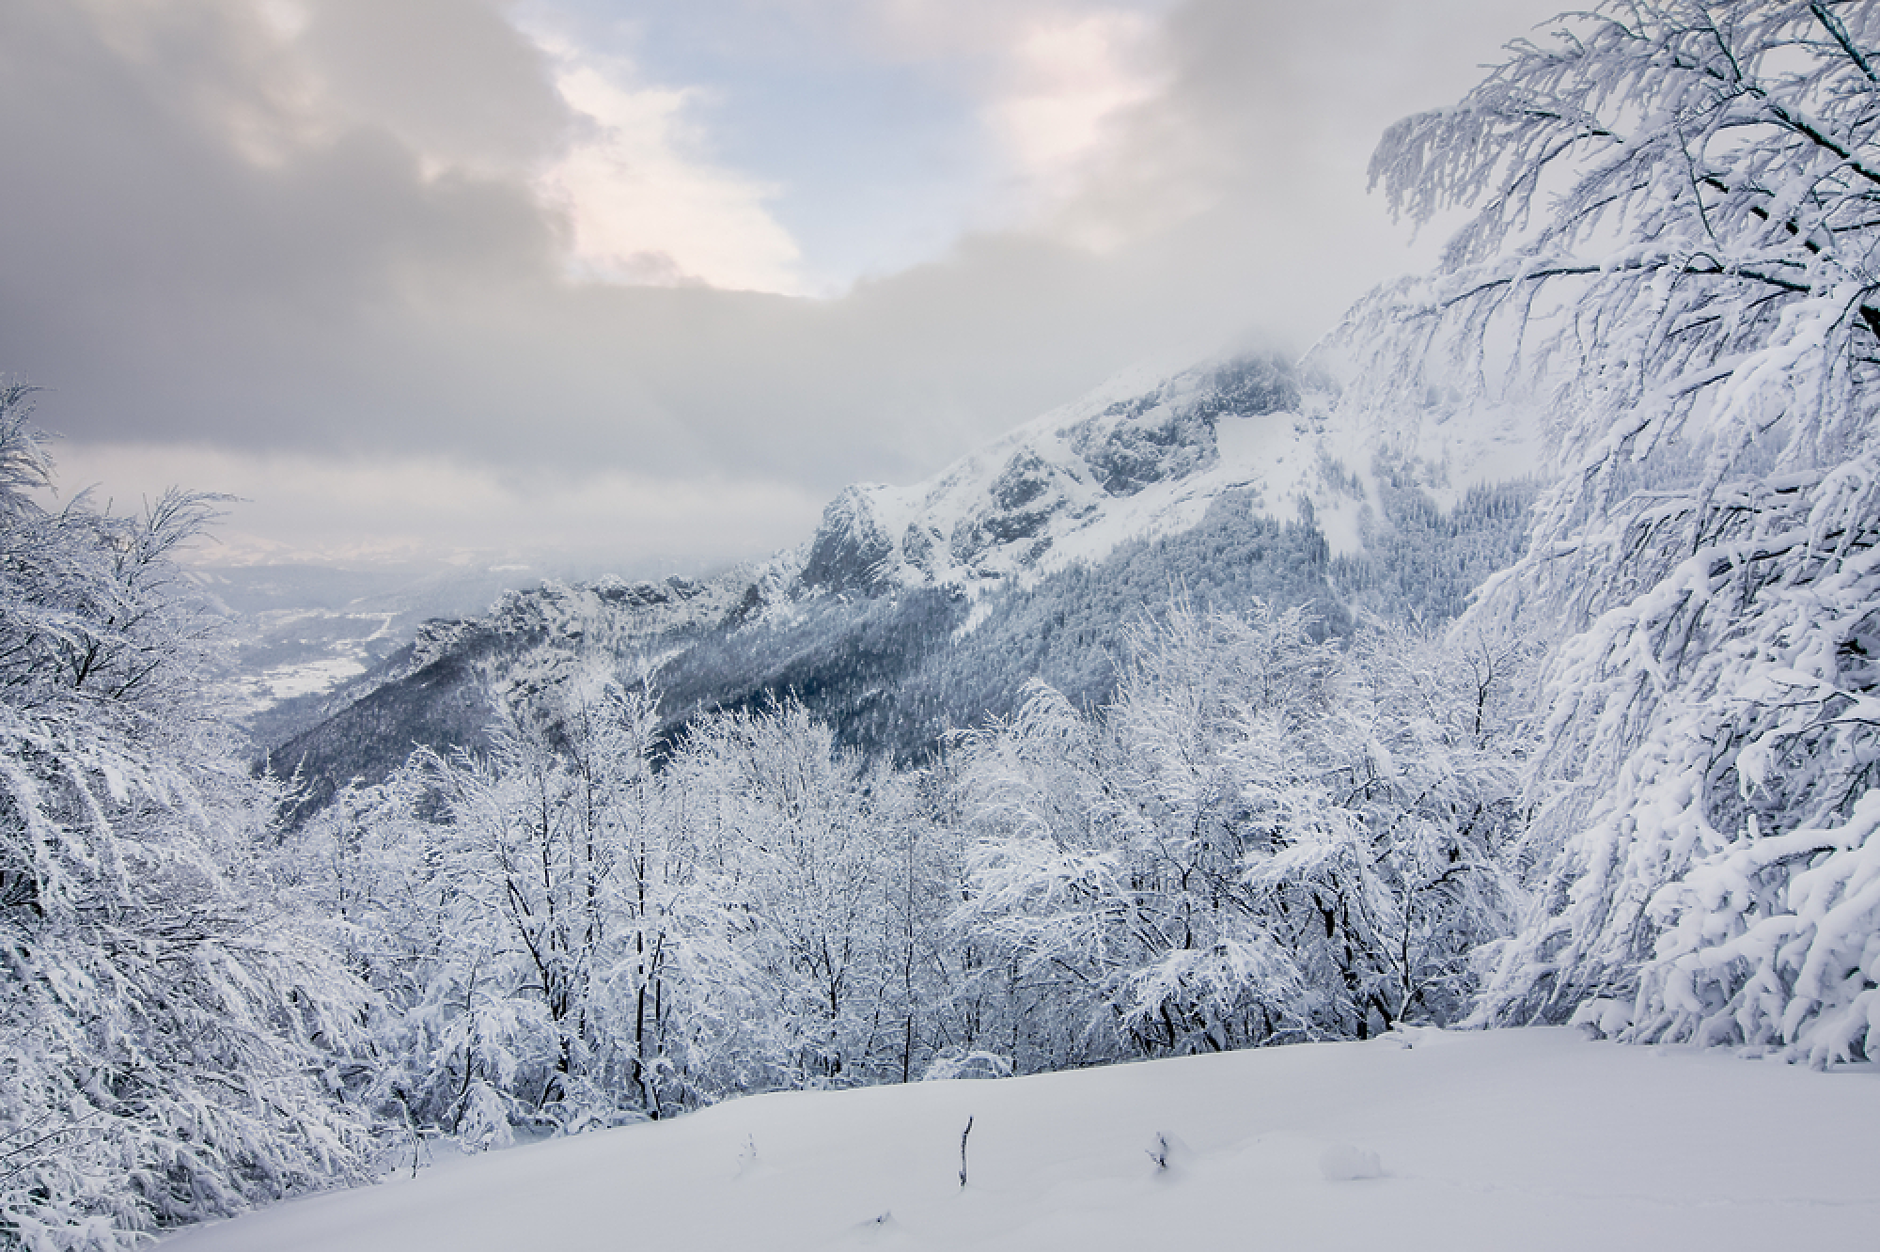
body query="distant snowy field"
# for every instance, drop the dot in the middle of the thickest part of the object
(1520, 1139)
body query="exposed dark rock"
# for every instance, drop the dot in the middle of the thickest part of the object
(918, 546)
(851, 549)
(645, 594)
(747, 608)
(1021, 501)
(1024, 479)
(1165, 434)
(1157, 444)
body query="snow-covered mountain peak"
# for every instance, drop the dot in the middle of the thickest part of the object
(1145, 458)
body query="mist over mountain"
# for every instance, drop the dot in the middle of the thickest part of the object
(912, 611)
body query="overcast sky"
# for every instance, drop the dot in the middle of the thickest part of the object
(651, 281)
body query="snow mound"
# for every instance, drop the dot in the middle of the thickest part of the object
(1344, 1162)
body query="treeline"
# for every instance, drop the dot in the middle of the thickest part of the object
(1265, 838)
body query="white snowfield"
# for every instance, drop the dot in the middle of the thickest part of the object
(1522, 1140)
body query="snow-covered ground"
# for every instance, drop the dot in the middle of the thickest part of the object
(1529, 1140)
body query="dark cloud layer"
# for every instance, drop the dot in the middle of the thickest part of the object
(215, 234)
(332, 296)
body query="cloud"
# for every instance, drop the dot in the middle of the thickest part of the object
(348, 295)
(384, 509)
(449, 79)
(1046, 75)
(647, 208)
(1070, 75)
(300, 239)
(1250, 159)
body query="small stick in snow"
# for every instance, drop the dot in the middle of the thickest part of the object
(963, 1134)
(417, 1140)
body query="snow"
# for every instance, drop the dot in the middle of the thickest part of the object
(309, 678)
(1537, 1139)
(1279, 457)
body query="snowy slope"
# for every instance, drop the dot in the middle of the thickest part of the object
(1144, 456)
(1531, 1139)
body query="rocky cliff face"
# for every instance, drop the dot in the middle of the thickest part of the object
(1170, 432)
(1038, 499)
(1143, 458)
(851, 552)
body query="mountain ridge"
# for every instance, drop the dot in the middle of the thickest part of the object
(912, 610)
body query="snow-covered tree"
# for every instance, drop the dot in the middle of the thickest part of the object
(1265, 838)
(810, 852)
(564, 938)
(170, 1036)
(1676, 231)
(518, 910)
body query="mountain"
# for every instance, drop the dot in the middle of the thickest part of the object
(912, 610)
(306, 639)
(1137, 460)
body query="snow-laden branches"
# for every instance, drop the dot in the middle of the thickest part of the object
(171, 1039)
(565, 938)
(1264, 839)
(1677, 208)
(1676, 230)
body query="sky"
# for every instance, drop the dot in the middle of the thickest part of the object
(649, 283)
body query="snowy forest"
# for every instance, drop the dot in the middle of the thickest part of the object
(1632, 786)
